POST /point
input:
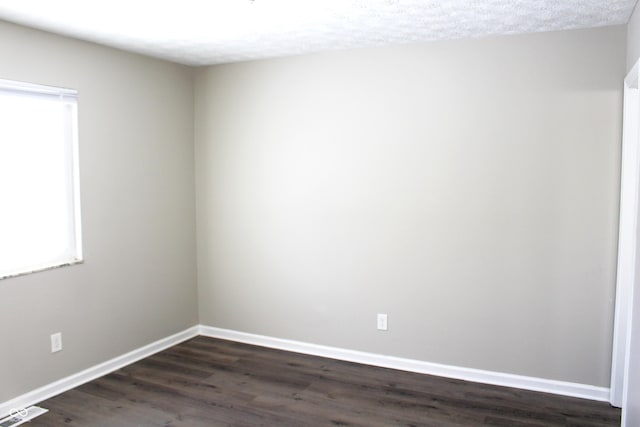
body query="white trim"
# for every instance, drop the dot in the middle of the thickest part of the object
(630, 413)
(94, 372)
(627, 236)
(37, 90)
(475, 375)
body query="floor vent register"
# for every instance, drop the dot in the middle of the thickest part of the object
(21, 416)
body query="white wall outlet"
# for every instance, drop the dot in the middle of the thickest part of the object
(382, 322)
(56, 342)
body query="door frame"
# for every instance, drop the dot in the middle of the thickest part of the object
(627, 234)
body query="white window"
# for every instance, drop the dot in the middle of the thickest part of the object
(39, 192)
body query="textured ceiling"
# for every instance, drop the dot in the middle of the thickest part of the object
(202, 32)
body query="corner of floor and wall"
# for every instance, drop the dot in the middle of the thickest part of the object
(467, 189)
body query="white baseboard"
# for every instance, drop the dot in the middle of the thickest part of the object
(475, 375)
(410, 365)
(57, 387)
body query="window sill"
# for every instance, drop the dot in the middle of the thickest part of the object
(40, 269)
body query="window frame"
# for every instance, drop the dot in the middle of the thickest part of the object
(68, 97)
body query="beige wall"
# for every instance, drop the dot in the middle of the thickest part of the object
(633, 39)
(467, 189)
(136, 155)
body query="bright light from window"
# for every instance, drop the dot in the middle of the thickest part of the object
(39, 209)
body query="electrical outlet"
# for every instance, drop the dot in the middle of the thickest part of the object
(382, 322)
(56, 342)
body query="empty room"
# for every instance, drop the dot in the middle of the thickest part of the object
(295, 213)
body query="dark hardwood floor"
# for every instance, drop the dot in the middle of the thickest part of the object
(211, 382)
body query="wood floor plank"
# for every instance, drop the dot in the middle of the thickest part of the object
(212, 382)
